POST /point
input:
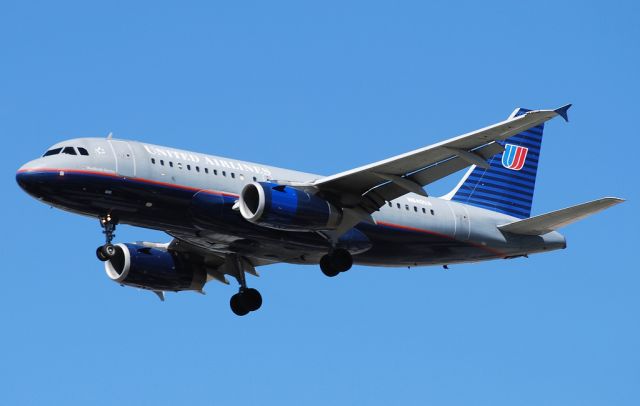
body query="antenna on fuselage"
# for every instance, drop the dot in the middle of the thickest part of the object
(110, 135)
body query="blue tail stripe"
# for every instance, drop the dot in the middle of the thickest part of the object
(499, 191)
(529, 169)
(498, 178)
(535, 130)
(501, 198)
(504, 187)
(525, 142)
(498, 188)
(526, 173)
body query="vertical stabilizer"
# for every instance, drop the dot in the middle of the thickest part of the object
(507, 185)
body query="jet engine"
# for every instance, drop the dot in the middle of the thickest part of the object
(287, 208)
(153, 267)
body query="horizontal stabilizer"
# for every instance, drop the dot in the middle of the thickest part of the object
(545, 223)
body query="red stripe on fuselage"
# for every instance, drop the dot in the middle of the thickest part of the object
(216, 192)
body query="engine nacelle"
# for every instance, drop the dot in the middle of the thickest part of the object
(154, 268)
(287, 208)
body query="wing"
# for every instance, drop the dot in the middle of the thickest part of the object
(218, 264)
(369, 186)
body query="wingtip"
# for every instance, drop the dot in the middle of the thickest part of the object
(615, 200)
(563, 112)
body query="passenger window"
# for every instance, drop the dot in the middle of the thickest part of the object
(83, 151)
(188, 167)
(398, 204)
(162, 162)
(171, 164)
(424, 210)
(215, 172)
(224, 173)
(233, 175)
(390, 204)
(179, 165)
(415, 209)
(54, 151)
(69, 150)
(153, 161)
(197, 169)
(206, 170)
(432, 212)
(406, 206)
(255, 179)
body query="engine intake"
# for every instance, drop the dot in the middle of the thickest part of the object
(154, 268)
(287, 208)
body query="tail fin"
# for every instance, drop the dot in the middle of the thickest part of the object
(507, 185)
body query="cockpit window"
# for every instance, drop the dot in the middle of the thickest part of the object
(54, 151)
(66, 150)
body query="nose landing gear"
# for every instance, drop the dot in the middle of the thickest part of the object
(106, 251)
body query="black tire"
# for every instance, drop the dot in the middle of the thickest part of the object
(326, 266)
(251, 299)
(237, 305)
(101, 255)
(108, 251)
(341, 260)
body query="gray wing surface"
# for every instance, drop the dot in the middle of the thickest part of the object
(369, 186)
(548, 222)
(216, 263)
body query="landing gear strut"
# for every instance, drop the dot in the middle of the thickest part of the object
(106, 251)
(336, 261)
(247, 299)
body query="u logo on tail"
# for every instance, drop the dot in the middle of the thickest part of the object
(514, 156)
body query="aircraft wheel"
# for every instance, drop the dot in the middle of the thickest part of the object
(251, 299)
(341, 259)
(105, 252)
(101, 255)
(237, 305)
(326, 266)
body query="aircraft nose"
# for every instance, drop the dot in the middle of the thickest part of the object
(22, 176)
(27, 176)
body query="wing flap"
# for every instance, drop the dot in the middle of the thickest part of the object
(545, 223)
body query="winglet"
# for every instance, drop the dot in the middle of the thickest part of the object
(562, 112)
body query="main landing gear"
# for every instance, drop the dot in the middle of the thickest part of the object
(247, 299)
(108, 250)
(336, 261)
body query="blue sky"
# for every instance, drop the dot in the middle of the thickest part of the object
(322, 87)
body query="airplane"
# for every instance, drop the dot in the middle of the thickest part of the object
(228, 217)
